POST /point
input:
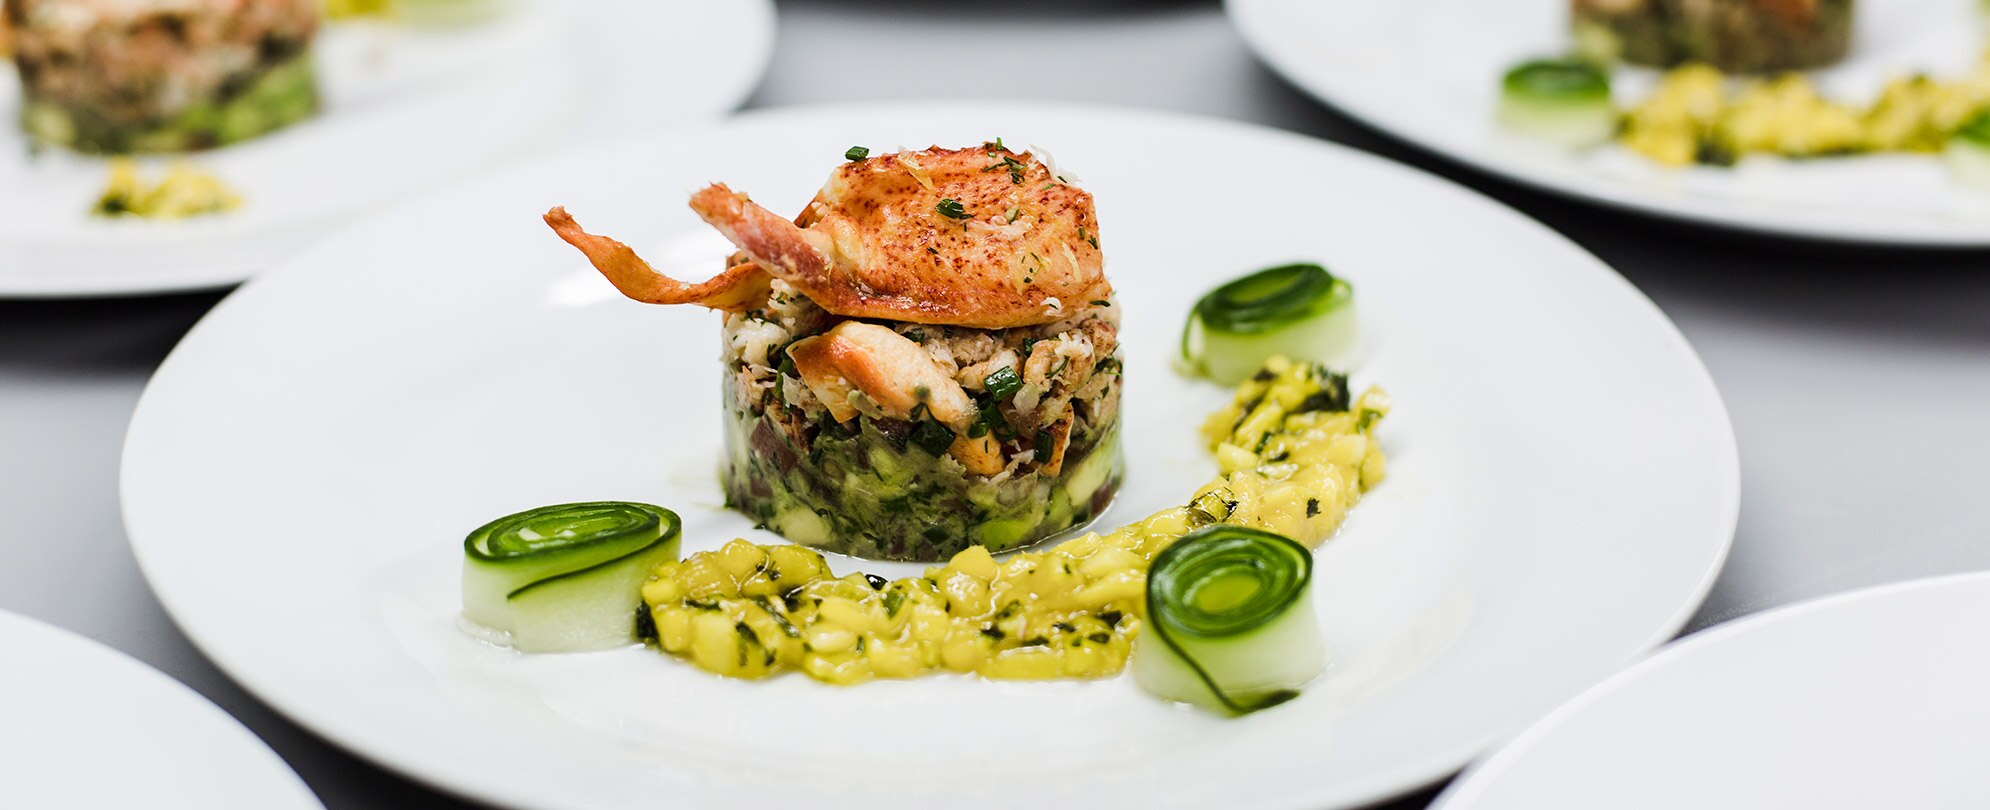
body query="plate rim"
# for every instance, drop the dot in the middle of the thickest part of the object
(1486, 770)
(761, 17)
(1250, 20)
(1377, 786)
(142, 676)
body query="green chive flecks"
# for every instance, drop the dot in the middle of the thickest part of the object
(951, 209)
(856, 153)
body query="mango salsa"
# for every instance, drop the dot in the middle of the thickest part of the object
(1294, 454)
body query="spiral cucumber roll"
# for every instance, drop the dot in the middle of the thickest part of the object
(1230, 621)
(1563, 101)
(566, 578)
(1299, 311)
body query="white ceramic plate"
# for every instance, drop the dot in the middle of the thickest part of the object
(302, 469)
(1873, 698)
(87, 726)
(405, 110)
(1428, 72)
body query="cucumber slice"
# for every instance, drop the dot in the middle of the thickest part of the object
(566, 578)
(1230, 621)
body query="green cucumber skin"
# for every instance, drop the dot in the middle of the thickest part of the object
(284, 94)
(869, 496)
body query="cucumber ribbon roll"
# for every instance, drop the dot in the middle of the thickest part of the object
(1230, 622)
(566, 578)
(1564, 101)
(1969, 150)
(1300, 311)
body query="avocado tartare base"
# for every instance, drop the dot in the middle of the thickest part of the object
(867, 490)
(283, 94)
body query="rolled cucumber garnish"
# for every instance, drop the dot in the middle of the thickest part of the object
(1230, 623)
(1563, 101)
(566, 578)
(1300, 311)
(1968, 150)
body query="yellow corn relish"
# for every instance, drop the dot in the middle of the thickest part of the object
(1294, 455)
(1696, 116)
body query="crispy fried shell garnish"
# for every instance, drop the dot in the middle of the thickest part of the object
(981, 237)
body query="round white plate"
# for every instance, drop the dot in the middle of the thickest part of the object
(1873, 698)
(1429, 73)
(301, 472)
(405, 110)
(83, 725)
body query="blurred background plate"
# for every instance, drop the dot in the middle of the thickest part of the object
(82, 725)
(1563, 484)
(1873, 698)
(1429, 72)
(406, 109)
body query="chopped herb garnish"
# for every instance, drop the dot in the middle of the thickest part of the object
(1003, 382)
(933, 250)
(992, 419)
(1100, 302)
(856, 153)
(994, 633)
(1312, 506)
(892, 601)
(1015, 211)
(1111, 618)
(1101, 638)
(645, 624)
(951, 209)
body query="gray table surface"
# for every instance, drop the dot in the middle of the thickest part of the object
(1859, 380)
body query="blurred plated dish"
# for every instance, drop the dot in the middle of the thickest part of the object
(154, 147)
(1528, 470)
(1814, 119)
(87, 726)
